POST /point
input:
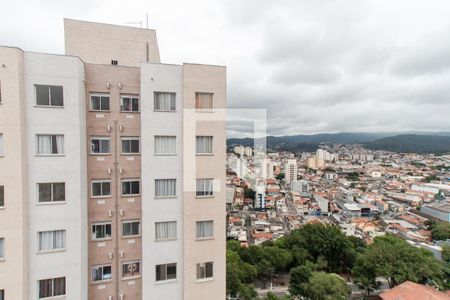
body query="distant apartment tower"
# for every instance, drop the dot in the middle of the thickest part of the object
(112, 171)
(290, 170)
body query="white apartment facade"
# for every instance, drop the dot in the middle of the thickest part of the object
(112, 171)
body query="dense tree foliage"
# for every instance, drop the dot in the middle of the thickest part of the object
(397, 261)
(439, 231)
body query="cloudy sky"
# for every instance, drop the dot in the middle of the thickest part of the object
(316, 65)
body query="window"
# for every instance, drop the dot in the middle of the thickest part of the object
(203, 100)
(50, 144)
(2, 196)
(49, 95)
(205, 229)
(52, 287)
(129, 103)
(2, 248)
(2, 292)
(2, 151)
(205, 270)
(165, 230)
(165, 101)
(100, 145)
(165, 187)
(130, 145)
(166, 272)
(204, 145)
(52, 240)
(101, 231)
(51, 192)
(100, 102)
(131, 228)
(101, 188)
(101, 273)
(204, 187)
(131, 268)
(130, 187)
(165, 145)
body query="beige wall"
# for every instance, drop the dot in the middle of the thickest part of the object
(13, 227)
(97, 125)
(100, 43)
(211, 79)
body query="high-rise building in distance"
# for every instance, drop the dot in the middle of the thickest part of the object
(112, 170)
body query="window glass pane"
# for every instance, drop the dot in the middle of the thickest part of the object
(95, 102)
(160, 272)
(2, 195)
(135, 146)
(135, 104)
(59, 191)
(135, 187)
(2, 151)
(104, 146)
(95, 146)
(45, 191)
(164, 101)
(96, 189)
(209, 270)
(204, 144)
(204, 229)
(135, 228)
(106, 187)
(105, 103)
(204, 101)
(59, 286)
(165, 230)
(2, 247)
(56, 93)
(130, 269)
(45, 288)
(165, 187)
(106, 272)
(171, 271)
(126, 188)
(59, 239)
(97, 274)
(165, 145)
(42, 95)
(45, 240)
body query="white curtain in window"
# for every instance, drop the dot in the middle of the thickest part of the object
(165, 144)
(45, 240)
(60, 144)
(165, 230)
(204, 101)
(204, 144)
(165, 187)
(44, 144)
(204, 229)
(204, 187)
(165, 101)
(59, 241)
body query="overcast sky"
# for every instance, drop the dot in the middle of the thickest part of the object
(316, 66)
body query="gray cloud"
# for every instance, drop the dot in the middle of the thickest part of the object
(316, 66)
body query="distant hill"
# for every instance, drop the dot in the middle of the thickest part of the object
(399, 142)
(412, 143)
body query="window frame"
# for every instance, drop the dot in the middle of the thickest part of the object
(204, 153)
(164, 110)
(53, 288)
(98, 224)
(100, 104)
(130, 180)
(100, 138)
(201, 238)
(51, 135)
(169, 196)
(166, 279)
(53, 249)
(131, 228)
(204, 265)
(2, 196)
(130, 138)
(103, 273)
(2, 145)
(52, 200)
(155, 137)
(138, 261)
(167, 238)
(101, 181)
(204, 195)
(50, 104)
(131, 97)
(3, 248)
(207, 109)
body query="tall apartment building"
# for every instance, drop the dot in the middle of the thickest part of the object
(112, 171)
(290, 170)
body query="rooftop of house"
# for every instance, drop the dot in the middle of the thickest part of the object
(413, 291)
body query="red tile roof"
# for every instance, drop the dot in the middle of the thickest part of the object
(413, 291)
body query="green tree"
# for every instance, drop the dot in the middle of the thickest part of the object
(249, 193)
(272, 296)
(365, 276)
(326, 286)
(240, 275)
(397, 261)
(299, 276)
(440, 231)
(280, 176)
